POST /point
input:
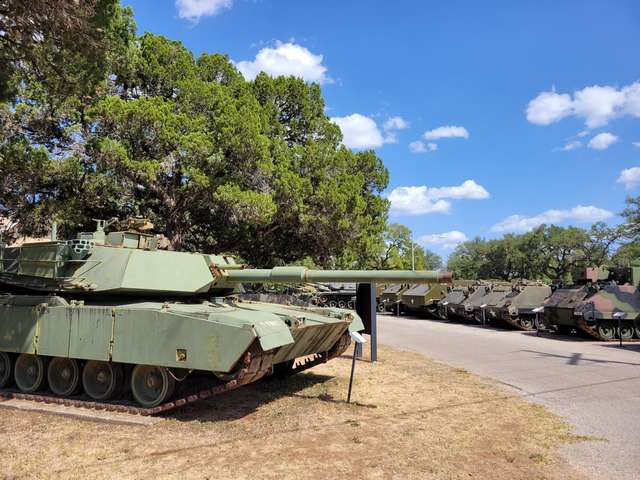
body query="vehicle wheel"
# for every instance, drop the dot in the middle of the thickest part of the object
(30, 373)
(527, 323)
(380, 307)
(102, 380)
(626, 331)
(341, 304)
(63, 375)
(151, 386)
(606, 330)
(332, 303)
(6, 369)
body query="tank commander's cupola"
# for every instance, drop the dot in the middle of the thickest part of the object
(132, 233)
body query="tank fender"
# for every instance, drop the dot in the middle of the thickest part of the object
(272, 333)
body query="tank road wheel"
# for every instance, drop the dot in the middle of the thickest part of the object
(102, 380)
(30, 373)
(332, 303)
(350, 305)
(151, 386)
(63, 375)
(606, 330)
(6, 366)
(626, 331)
(342, 304)
(528, 323)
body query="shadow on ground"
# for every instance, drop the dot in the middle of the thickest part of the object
(247, 399)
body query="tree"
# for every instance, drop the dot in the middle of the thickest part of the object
(216, 162)
(396, 251)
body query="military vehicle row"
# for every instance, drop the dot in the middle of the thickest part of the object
(105, 317)
(604, 304)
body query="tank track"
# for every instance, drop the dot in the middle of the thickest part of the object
(515, 322)
(255, 365)
(582, 324)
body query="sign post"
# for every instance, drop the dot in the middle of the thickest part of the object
(537, 311)
(359, 340)
(620, 316)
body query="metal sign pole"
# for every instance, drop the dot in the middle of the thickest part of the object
(620, 316)
(537, 311)
(359, 340)
(484, 315)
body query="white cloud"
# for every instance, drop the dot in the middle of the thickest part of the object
(447, 131)
(420, 200)
(571, 146)
(446, 240)
(193, 10)
(395, 123)
(420, 147)
(286, 59)
(359, 131)
(582, 133)
(602, 141)
(549, 107)
(630, 177)
(636, 144)
(579, 214)
(597, 105)
(391, 125)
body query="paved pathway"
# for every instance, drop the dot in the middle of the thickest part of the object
(594, 385)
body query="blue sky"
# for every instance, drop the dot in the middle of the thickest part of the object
(499, 115)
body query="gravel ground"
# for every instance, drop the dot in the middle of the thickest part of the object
(594, 385)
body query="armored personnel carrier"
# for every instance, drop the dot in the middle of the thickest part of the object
(451, 306)
(516, 308)
(391, 297)
(493, 298)
(601, 300)
(107, 319)
(423, 299)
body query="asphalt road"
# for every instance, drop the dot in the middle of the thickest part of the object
(594, 385)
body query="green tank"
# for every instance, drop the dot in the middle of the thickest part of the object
(516, 308)
(604, 304)
(423, 299)
(108, 318)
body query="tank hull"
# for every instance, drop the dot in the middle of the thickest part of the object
(211, 338)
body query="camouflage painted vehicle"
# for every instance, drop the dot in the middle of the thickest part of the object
(110, 315)
(452, 305)
(423, 299)
(603, 298)
(391, 297)
(516, 308)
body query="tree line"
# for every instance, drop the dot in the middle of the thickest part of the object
(550, 252)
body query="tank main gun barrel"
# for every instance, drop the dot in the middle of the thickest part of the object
(304, 275)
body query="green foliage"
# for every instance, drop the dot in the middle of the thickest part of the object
(548, 252)
(142, 127)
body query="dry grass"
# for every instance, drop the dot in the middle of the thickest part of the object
(414, 418)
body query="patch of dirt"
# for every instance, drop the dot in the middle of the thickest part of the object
(411, 418)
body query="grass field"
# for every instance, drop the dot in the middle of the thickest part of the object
(412, 418)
